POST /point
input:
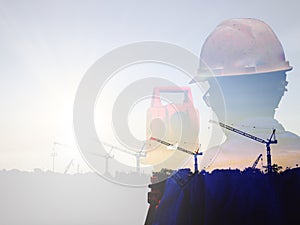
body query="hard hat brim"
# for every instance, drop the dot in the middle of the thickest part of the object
(205, 76)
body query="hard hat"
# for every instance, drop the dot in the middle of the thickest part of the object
(241, 46)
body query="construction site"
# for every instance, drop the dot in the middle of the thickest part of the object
(149, 112)
(245, 62)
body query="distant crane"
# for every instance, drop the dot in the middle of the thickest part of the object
(256, 161)
(74, 160)
(195, 154)
(137, 155)
(268, 142)
(53, 154)
(68, 166)
(106, 157)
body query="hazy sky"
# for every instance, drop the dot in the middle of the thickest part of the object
(47, 46)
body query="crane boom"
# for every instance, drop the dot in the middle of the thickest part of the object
(256, 161)
(68, 166)
(268, 142)
(141, 153)
(239, 132)
(169, 144)
(195, 154)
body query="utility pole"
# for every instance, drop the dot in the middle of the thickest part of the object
(53, 155)
(78, 168)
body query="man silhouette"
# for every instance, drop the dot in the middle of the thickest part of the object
(244, 64)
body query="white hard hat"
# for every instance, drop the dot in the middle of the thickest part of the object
(241, 46)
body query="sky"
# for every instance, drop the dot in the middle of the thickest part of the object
(47, 46)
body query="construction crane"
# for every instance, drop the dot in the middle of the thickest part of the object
(256, 161)
(106, 157)
(53, 154)
(195, 154)
(268, 142)
(68, 166)
(137, 155)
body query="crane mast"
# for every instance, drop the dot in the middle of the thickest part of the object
(268, 142)
(107, 157)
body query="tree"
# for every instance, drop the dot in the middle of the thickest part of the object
(252, 170)
(275, 168)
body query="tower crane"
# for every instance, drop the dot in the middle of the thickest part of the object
(256, 161)
(195, 154)
(137, 155)
(268, 142)
(106, 157)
